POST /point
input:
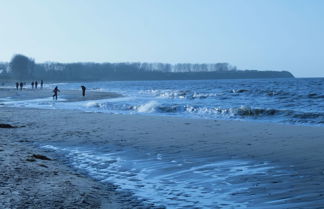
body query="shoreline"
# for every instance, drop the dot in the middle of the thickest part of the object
(284, 145)
(29, 182)
(32, 177)
(67, 96)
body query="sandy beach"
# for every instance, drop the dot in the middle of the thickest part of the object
(158, 104)
(29, 182)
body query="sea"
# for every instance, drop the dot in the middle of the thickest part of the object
(173, 181)
(294, 100)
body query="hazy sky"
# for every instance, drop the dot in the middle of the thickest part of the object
(250, 34)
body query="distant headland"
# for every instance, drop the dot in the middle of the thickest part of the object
(24, 68)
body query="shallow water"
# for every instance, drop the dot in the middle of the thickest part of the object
(185, 182)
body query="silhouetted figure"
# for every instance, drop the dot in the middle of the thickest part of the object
(55, 92)
(21, 85)
(83, 90)
(17, 85)
(32, 84)
(42, 84)
(36, 83)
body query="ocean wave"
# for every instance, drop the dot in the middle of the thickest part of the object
(197, 95)
(242, 112)
(236, 111)
(315, 96)
(272, 93)
(93, 104)
(238, 91)
(170, 109)
(148, 107)
(249, 111)
(261, 92)
(165, 93)
(308, 115)
(269, 113)
(192, 95)
(178, 94)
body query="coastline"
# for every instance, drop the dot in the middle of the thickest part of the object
(293, 147)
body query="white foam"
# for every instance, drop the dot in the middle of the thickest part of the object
(148, 107)
(47, 103)
(92, 104)
(50, 147)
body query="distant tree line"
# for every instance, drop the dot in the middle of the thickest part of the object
(24, 68)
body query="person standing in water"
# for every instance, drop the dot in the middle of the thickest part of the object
(56, 90)
(41, 84)
(17, 85)
(36, 83)
(21, 85)
(83, 90)
(32, 84)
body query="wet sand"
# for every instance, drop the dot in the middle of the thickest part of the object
(28, 183)
(33, 178)
(63, 95)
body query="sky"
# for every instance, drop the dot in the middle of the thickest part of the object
(249, 34)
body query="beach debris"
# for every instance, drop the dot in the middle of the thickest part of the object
(4, 125)
(41, 157)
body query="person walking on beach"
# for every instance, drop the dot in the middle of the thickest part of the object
(83, 90)
(36, 83)
(32, 84)
(21, 85)
(55, 92)
(42, 84)
(17, 85)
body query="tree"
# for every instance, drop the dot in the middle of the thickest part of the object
(22, 67)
